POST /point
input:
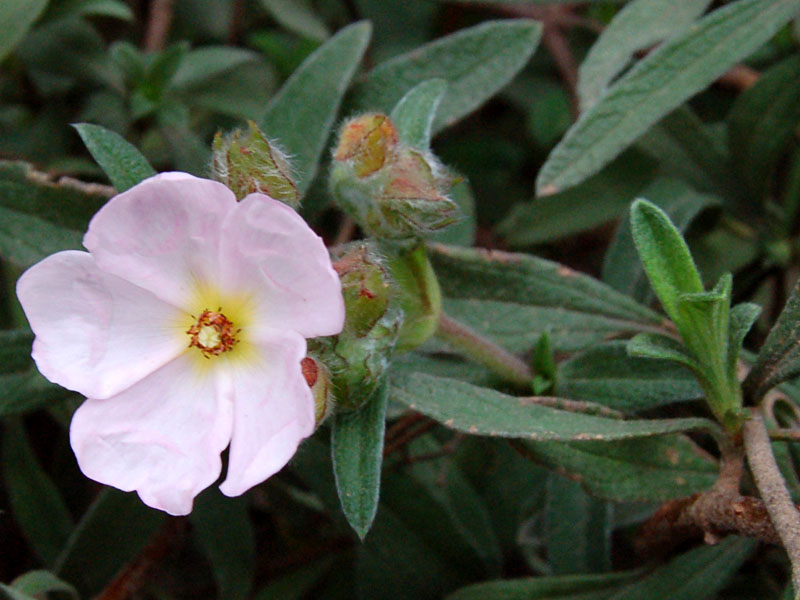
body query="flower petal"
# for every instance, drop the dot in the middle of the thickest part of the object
(273, 412)
(271, 254)
(96, 334)
(163, 234)
(162, 437)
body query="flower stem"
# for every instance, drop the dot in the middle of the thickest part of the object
(772, 487)
(477, 348)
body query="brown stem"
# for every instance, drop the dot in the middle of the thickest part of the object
(484, 352)
(158, 24)
(772, 487)
(412, 433)
(717, 512)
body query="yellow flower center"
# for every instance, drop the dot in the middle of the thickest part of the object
(213, 333)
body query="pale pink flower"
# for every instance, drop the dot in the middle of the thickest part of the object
(184, 326)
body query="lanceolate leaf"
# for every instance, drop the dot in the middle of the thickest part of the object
(16, 17)
(650, 469)
(597, 200)
(483, 411)
(695, 575)
(622, 268)
(476, 63)
(779, 358)
(37, 504)
(570, 587)
(120, 525)
(124, 164)
(639, 24)
(413, 116)
(357, 450)
(665, 256)
(606, 374)
(301, 114)
(223, 528)
(527, 280)
(763, 120)
(659, 83)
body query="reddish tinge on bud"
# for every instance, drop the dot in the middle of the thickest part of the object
(247, 162)
(318, 379)
(366, 142)
(391, 190)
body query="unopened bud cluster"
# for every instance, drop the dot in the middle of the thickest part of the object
(247, 162)
(390, 189)
(360, 354)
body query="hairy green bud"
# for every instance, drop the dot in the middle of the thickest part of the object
(247, 162)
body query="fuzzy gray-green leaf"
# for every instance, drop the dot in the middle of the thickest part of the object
(658, 84)
(476, 62)
(413, 115)
(301, 114)
(639, 24)
(357, 450)
(665, 256)
(483, 411)
(124, 164)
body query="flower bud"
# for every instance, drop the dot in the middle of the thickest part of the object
(318, 379)
(359, 355)
(391, 190)
(247, 162)
(365, 143)
(365, 286)
(419, 296)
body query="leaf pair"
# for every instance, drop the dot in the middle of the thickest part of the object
(711, 331)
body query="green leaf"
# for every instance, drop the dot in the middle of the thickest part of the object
(297, 16)
(114, 9)
(26, 239)
(577, 529)
(199, 66)
(688, 149)
(608, 375)
(779, 357)
(222, 527)
(38, 507)
(518, 327)
(301, 114)
(462, 232)
(762, 122)
(413, 115)
(639, 25)
(659, 83)
(414, 549)
(741, 320)
(651, 469)
(476, 63)
(483, 411)
(649, 345)
(665, 256)
(124, 164)
(528, 280)
(695, 575)
(598, 200)
(16, 18)
(120, 525)
(297, 584)
(37, 583)
(357, 451)
(571, 587)
(448, 485)
(622, 268)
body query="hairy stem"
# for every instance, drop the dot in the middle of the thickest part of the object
(772, 487)
(484, 352)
